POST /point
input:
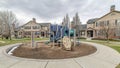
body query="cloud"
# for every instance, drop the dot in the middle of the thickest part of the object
(55, 10)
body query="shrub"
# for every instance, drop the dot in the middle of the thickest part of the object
(98, 39)
(81, 38)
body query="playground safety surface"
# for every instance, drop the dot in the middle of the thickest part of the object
(43, 51)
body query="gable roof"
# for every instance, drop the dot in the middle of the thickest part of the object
(91, 21)
(83, 27)
(44, 24)
(108, 14)
(24, 24)
(41, 24)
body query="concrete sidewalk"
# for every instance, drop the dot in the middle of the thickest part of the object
(104, 57)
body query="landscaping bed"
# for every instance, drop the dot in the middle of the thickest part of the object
(43, 51)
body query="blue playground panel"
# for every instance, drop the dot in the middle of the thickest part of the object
(58, 30)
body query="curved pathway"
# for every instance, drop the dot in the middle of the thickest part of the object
(104, 57)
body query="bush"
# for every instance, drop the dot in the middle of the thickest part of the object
(106, 39)
(98, 39)
(81, 38)
(118, 40)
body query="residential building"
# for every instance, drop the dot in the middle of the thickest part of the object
(32, 27)
(107, 26)
(90, 31)
(83, 30)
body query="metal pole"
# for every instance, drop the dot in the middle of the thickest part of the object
(32, 38)
(53, 39)
(69, 28)
(61, 37)
(74, 37)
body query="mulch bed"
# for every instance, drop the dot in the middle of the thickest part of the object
(43, 51)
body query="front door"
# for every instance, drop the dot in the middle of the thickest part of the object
(90, 33)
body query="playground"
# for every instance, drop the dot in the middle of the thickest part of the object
(62, 50)
(62, 44)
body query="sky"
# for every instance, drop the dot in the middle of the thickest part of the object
(54, 10)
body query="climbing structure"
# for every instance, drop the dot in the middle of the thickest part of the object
(59, 31)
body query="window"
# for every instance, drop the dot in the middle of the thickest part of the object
(100, 32)
(107, 23)
(37, 33)
(118, 22)
(118, 28)
(35, 27)
(97, 33)
(27, 33)
(20, 33)
(97, 24)
(27, 27)
(115, 22)
(82, 33)
(101, 23)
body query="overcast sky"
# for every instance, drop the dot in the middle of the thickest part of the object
(54, 10)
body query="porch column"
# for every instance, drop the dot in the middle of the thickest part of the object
(86, 33)
(94, 33)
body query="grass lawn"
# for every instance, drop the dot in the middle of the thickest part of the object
(13, 41)
(113, 44)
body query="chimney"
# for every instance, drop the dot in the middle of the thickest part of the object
(112, 8)
(34, 20)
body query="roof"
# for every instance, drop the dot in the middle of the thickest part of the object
(91, 21)
(108, 14)
(41, 24)
(83, 27)
(44, 24)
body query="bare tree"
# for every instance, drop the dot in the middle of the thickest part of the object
(77, 23)
(8, 20)
(0, 27)
(107, 30)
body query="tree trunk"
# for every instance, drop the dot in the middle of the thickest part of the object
(9, 33)
(2, 37)
(107, 38)
(10, 38)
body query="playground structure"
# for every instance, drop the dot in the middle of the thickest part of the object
(59, 34)
(63, 33)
